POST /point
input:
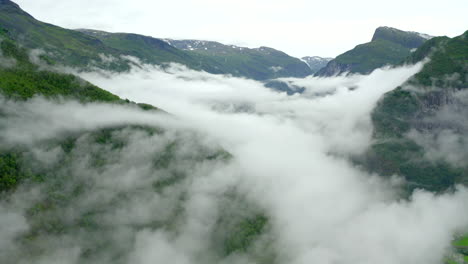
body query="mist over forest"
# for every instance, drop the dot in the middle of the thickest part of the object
(123, 148)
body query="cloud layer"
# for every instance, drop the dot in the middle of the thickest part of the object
(289, 163)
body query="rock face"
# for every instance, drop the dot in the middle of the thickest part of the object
(316, 63)
(389, 46)
(334, 68)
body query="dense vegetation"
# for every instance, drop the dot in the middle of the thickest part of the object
(66, 46)
(23, 79)
(64, 186)
(403, 110)
(413, 107)
(448, 57)
(366, 57)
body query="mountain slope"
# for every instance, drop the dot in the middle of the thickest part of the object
(21, 79)
(420, 128)
(67, 46)
(407, 39)
(389, 46)
(64, 167)
(77, 49)
(148, 49)
(259, 63)
(91, 48)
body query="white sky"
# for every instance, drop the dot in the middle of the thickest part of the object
(297, 27)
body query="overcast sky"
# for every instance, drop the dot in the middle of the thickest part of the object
(298, 27)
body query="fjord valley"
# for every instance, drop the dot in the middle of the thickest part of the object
(127, 148)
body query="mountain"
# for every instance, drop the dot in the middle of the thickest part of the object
(420, 129)
(148, 49)
(77, 49)
(21, 79)
(66, 168)
(408, 39)
(67, 46)
(103, 190)
(389, 46)
(86, 48)
(258, 63)
(316, 63)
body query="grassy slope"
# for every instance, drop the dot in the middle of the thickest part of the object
(218, 58)
(461, 247)
(399, 111)
(409, 40)
(388, 47)
(67, 46)
(402, 110)
(24, 80)
(255, 63)
(148, 49)
(367, 57)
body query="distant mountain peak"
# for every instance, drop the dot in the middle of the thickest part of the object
(316, 63)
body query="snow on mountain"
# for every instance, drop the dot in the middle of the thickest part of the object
(316, 63)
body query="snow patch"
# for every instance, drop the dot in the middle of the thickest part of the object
(276, 68)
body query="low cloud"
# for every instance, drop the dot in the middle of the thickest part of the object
(289, 163)
(447, 138)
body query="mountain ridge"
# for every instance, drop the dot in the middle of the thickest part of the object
(89, 48)
(388, 46)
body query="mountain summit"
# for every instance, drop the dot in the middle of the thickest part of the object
(389, 46)
(407, 39)
(11, 7)
(8, 2)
